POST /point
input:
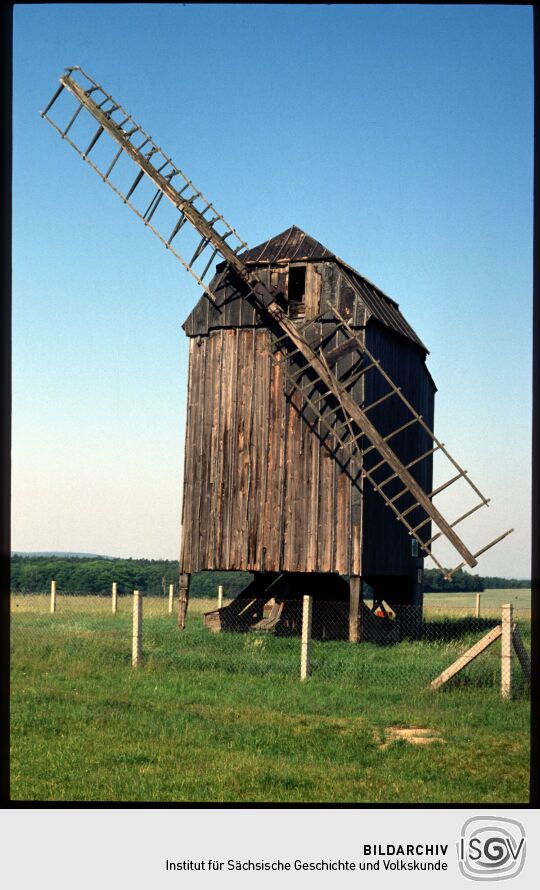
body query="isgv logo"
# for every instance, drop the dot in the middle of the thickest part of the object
(491, 848)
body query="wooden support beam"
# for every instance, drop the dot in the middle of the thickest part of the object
(355, 606)
(183, 600)
(467, 657)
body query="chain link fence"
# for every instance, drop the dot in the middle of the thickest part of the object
(401, 647)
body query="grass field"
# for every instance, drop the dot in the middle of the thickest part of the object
(225, 718)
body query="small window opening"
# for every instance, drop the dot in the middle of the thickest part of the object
(297, 291)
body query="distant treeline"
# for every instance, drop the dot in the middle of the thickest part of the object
(33, 574)
(74, 574)
(463, 582)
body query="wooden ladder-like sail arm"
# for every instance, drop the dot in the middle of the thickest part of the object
(192, 215)
(193, 208)
(370, 431)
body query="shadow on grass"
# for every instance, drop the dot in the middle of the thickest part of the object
(445, 630)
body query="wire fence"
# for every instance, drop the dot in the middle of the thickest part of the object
(399, 646)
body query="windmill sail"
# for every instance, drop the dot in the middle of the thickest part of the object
(309, 367)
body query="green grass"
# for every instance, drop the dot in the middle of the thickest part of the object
(224, 717)
(490, 602)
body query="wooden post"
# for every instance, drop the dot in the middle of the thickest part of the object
(506, 651)
(355, 605)
(305, 661)
(114, 597)
(53, 597)
(220, 596)
(477, 612)
(137, 629)
(171, 595)
(183, 600)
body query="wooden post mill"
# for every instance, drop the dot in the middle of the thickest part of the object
(268, 486)
(309, 441)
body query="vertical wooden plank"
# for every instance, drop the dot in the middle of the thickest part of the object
(312, 291)
(261, 455)
(323, 506)
(506, 651)
(114, 603)
(252, 398)
(241, 452)
(193, 482)
(267, 534)
(231, 476)
(53, 597)
(254, 506)
(225, 435)
(300, 488)
(214, 449)
(210, 392)
(313, 505)
(304, 500)
(290, 493)
(282, 467)
(198, 463)
(342, 523)
(357, 497)
(477, 609)
(186, 522)
(316, 290)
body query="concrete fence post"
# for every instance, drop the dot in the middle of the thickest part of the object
(506, 651)
(53, 597)
(171, 595)
(305, 660)
(220, 596)
(114, 597)
(477, 610)
(137, 629)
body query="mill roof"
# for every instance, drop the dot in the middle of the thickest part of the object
(294, 245)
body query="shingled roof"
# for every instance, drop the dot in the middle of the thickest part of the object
(294, 245)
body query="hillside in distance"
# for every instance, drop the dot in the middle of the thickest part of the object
(66, 554)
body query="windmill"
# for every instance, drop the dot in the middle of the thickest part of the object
(321, 363)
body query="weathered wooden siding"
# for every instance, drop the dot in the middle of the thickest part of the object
(234, 309)
(260, 490)
(386, 542)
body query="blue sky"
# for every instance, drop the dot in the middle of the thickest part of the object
(399, 136)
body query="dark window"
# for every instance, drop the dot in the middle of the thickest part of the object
(297, 291)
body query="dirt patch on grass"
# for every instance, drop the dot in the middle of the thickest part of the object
(415, 735)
